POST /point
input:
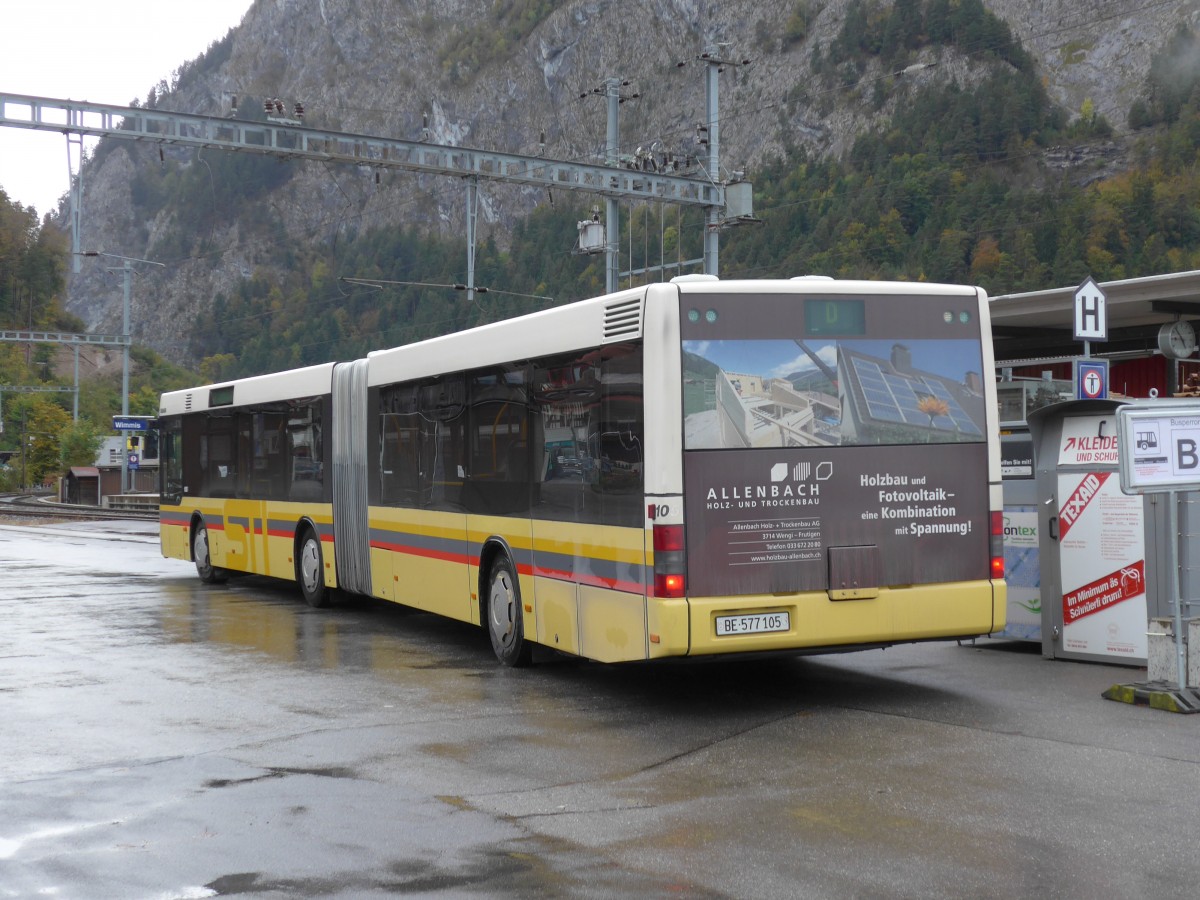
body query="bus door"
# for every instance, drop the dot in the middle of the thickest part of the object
(260, 477)
(589, 549)
(419, 528)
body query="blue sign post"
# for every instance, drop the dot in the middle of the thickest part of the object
(1091, 379)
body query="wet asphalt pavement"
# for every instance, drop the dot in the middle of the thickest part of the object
(166, 739)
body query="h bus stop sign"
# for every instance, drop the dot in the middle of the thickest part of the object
(1091, 312)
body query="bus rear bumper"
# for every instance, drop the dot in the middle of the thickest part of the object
(813, 621)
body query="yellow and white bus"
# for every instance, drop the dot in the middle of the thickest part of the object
(690, 468)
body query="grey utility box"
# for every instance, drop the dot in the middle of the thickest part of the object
(1093, 538)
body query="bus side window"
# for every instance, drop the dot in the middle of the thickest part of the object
(400, 438)
(403, 476)
(193, 454)
(168, 448)
(589, 437)
(304, 463)
(498, 471)
(441, 445)
(219, 460)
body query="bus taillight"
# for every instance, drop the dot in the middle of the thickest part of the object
(997, 545)
(669, 561)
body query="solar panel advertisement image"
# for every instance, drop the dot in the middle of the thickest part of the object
(801, 392)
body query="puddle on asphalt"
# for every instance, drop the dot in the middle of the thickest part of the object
(358, 634)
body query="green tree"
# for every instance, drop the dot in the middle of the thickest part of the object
(45, 424)
(217, 368)
(79, 442)
(32, 267)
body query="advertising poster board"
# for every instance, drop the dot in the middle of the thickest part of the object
(1022, 572)
(1022, 564)
(1102, 553)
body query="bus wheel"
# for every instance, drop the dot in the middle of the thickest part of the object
(310, 570)
(505, 625)
(208, 573)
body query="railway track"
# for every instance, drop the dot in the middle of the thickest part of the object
(26, 508)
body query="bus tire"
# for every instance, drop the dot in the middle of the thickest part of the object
(505, 623)
(310, 570)
(208, 573)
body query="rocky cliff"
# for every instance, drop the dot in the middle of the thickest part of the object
(500, 76)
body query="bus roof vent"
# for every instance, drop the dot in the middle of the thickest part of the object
(623, 319)
(694, 277)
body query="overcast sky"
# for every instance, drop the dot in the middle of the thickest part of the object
(111, 51)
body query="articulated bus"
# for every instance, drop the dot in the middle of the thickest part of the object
(691, 468)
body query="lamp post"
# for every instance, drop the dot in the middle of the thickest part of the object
(127, 268)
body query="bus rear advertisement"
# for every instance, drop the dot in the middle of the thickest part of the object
(691, 468)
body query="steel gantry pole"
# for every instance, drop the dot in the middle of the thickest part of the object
(612, 157)
(127, 269)
(712, 215)
(128, 273)
(76, 182)
(472, 209)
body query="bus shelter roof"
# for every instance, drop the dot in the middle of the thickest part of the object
(1040, 324)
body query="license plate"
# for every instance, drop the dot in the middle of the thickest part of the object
(753, 623)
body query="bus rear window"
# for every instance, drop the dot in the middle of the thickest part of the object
(821, 373)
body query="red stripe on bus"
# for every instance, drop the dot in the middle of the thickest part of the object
(592, 580)
(629, 587)
(424, 554)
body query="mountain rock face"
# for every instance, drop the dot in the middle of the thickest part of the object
(499, 76)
